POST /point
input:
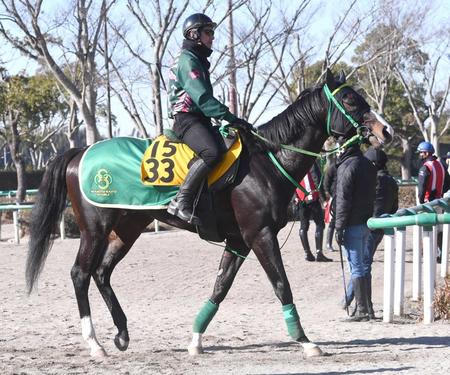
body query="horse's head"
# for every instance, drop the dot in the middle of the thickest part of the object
(349, 113)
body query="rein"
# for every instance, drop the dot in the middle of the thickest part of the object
(356, 139)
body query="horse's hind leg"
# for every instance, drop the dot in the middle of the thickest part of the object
(232, 259)
(120, 241)
(88, 254)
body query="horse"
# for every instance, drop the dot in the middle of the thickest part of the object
(333, 108)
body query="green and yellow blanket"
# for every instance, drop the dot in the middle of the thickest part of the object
(126, 172)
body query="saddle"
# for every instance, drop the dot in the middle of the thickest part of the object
(166, 163)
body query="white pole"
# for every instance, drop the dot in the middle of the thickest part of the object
(445, 250)
(16, 226)
(417, 263)
(435, 251)
(156, 226)
(429, 261)
(388, 293)
(399, 287)
(62, 229)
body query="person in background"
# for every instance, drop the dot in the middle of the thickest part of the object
(192, 105)
(330, 189)
(309, 207)
(432, 181)
(355, 196)
(447, 161)
(386, 202)
(432, 174)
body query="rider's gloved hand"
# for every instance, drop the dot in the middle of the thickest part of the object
(340, 237)
(241, 124)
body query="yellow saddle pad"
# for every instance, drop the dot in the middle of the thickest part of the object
(165, 163)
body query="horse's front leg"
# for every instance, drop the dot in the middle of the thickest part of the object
(228, 268)
(266, 248)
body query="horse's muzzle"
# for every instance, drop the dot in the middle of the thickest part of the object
(379, 127)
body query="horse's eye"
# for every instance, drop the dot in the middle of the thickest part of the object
(349, 102)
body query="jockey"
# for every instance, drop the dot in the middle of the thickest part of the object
(192, 105)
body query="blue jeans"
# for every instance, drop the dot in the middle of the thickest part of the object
(372, 241)
(358, 252)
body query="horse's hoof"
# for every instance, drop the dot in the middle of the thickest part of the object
(99, 353)
(195, 350)
(121, 341)
(312, 350)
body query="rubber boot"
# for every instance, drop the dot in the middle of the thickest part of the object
(330, 234)
(305, 243)
(182, 204)
(318, 236)
(369, 297)
(362, 310)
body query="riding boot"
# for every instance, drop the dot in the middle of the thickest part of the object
(182, 204)
(362, 310)
(305, 243)
(330, 234)
(318, 236)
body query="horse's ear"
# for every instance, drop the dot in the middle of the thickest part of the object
(331, 81)
(342, 78)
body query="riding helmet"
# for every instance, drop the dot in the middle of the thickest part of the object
(425, 147)
(197, 21)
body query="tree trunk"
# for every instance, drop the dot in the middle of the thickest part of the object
(406, 159)
(156, 98)
(92, 134)
(14, 147)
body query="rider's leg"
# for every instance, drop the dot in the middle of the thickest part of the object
(198, 134)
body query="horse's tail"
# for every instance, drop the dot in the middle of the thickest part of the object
(46, 214)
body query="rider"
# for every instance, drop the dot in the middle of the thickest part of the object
(192, 105)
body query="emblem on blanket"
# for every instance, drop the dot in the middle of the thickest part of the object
(166, 163)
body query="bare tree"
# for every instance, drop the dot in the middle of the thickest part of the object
(38, 41)
(437, 100)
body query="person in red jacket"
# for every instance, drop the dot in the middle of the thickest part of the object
(431, 181)
(310, 207)
(432, 174)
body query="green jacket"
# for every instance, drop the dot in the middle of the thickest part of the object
(190, 89)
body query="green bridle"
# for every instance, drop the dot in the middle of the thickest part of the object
(356, 139)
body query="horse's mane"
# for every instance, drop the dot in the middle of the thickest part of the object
(290, 124)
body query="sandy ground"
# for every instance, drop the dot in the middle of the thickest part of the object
(162, 284)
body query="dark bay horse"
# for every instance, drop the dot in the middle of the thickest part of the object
(260, 188)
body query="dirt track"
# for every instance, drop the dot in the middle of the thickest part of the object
(162, 284)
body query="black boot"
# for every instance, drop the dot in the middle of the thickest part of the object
(330, 234)
(318, 236)
(182, 204)
(362, 309)
(369, 297)
(305, 243)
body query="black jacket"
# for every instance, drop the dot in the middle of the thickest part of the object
(386, 201)
(355, 189)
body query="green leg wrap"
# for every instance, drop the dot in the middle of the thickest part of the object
(205, 316)
(292, 320)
